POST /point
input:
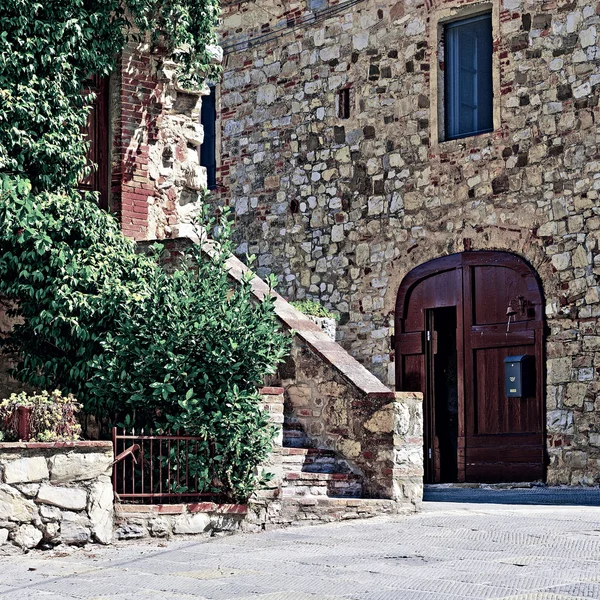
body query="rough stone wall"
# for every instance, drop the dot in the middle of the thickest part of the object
(342, 209)
(382, 435)
(156, 178)
(55, 493)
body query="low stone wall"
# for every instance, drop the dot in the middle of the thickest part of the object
(209, 519)
(134, 521)
(55, 493)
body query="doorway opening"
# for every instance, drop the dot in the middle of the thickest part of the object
(443, 393)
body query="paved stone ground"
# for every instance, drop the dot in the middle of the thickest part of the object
(450, 551)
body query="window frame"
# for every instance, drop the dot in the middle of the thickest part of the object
(214, 166)
(452, 81)
(457, 10)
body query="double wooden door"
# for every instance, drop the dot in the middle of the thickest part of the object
(457, 319)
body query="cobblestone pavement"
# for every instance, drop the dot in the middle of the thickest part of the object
(450, 551)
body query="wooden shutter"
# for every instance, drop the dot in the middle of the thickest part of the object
(97, 133)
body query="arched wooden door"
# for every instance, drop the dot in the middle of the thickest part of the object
(452, 338)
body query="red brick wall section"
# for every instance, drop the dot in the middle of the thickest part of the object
(135, 127)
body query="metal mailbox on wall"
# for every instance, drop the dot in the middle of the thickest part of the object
(519, 376)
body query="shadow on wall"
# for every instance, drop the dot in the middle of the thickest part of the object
(539, 495)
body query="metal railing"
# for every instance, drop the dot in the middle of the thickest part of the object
(152, 468)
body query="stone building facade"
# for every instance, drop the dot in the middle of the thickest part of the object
(361, 456)
(335, 159)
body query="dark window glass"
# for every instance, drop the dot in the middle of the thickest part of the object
(468, 77)
(208, 149)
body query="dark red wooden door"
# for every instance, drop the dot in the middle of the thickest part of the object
(451, 342)
(97, 134)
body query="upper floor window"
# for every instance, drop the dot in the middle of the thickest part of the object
(208, 149)
(468, 77)
(97, 132)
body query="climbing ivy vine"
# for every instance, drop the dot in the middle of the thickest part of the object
(49, 48)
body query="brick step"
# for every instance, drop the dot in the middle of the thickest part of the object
(334, 485)
(313, 460)
(286, 451)
(294, 436)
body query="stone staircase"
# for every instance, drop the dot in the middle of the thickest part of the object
(314, 482)
(320, 486)
(313, 472)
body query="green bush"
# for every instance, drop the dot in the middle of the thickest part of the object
(135, 344)
(314, 309)
(191, 356)
(71, 273)
(53, 416)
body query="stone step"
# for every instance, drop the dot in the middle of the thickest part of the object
(294, 436)
(334, 485)
(313, 460)
(322, 509)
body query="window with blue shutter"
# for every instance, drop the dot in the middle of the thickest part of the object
(208, 149)
(468, 86)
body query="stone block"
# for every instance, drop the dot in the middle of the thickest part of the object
(562, 261)
(79, 467)
(25, 470)
(382, 421)
(559, 370)
(196, 177)
(363, 253)
(27, 536)
(576, 459)
(51, 532)
(64, 497)
(591, 343)
(75, 529)
(100, 510)
(575, 394)
(50, 513)
(160, 528)
(130, 531)
(3, 536)
(267, 94)
(560, 421)
(29, 489)
(189, 524)
(14, 506)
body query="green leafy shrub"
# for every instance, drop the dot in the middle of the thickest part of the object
(135, 344)
(53, 416)
(191, 356)
(70, 273)
(314, 309)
